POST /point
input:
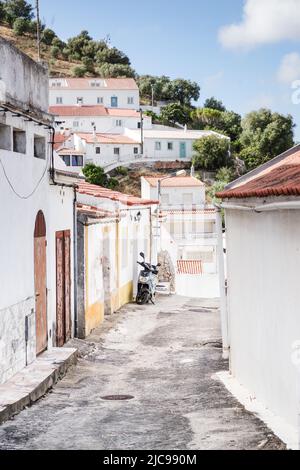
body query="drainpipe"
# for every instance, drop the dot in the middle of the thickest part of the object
(75, 262)
(222, 282)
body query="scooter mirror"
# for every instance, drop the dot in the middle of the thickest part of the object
(142, 255)
(159, 265)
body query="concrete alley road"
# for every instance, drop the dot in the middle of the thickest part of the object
(165, 357)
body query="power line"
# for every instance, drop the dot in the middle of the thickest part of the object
(14, 190)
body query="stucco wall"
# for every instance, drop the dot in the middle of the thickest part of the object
(102, 124)
(24, 173)
(263, 262)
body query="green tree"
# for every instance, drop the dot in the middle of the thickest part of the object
(15, 9)
(54, 52)
(79, 71)
(175, 113)
(20, 26)
(2, 11)
(95, 175)
(183, 91)
(111, 56)
(211, 153)
(213, 103)
(206, 118)
(48, 36)
(264, 136)
(160, 86)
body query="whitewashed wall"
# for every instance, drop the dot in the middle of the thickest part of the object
(106, 155)
(105, 124)
(90, 97)
(263, 262)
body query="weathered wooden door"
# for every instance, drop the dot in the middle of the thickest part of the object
(40, 283)
(63, 287)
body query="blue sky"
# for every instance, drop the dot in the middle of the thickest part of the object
(182, 39)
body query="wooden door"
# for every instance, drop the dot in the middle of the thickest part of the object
(63, 287)
(40, 283)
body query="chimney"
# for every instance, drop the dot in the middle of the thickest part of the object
(192, 170)
(185, 128)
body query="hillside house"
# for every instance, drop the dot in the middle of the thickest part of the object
(36, 269)
(107, 92)
(80, 118)
(261, 321)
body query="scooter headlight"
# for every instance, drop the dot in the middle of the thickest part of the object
(143, 279)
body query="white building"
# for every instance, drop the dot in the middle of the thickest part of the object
(107, 92)
(261, 321)
(188, 233)
(36, 269)
(169, 144)
(98, 118)
(105, 149)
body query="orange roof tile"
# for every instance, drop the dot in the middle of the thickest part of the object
(99, 191)
(85, 84)
(189, 267)
(59, 140)
(78, 110)
(280, 178)
(178, 181)
(91, 138)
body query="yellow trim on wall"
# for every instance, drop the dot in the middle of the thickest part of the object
(94, 316)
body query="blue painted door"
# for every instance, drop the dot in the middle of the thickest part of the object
(182, 149)
(114, 101)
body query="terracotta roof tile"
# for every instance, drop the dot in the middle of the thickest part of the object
(126, 199)
(85, 84)
(189, 267)
(280, 179)
(78, 110)
(90, 138)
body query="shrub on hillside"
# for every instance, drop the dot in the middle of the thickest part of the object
(48, 36)
(79, 71)
(21, 26)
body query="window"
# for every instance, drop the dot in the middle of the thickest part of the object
(98, 150)
(39, 147)
(77, 160)
(59, 100)
(100, 100)
(19, 141)
(157, 145)
(170, 145)
(117, 151)
(80, 100)
(130, 100)
(135, 150)
(5, 137)
(114, 101)
(75, 124)
(118, 123)
(66, 159)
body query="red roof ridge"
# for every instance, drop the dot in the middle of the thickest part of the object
(99, 191)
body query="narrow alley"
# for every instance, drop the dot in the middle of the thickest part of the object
(164, 358)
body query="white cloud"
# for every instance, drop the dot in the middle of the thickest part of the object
(264, 22)
(289, 69)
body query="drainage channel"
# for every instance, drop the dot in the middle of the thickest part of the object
(117, 397)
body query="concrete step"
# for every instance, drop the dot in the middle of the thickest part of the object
(29, 385)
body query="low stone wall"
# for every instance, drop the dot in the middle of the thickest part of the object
(167, 270)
